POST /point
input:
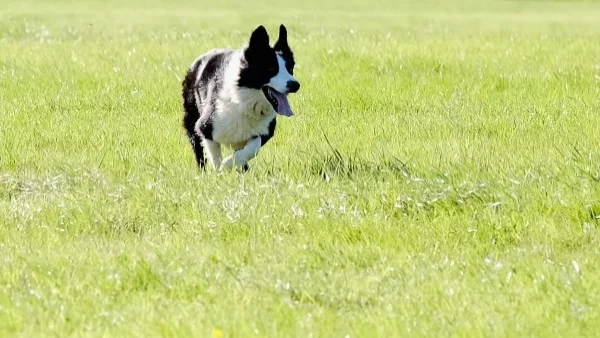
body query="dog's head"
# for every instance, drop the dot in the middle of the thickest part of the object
(270, 69)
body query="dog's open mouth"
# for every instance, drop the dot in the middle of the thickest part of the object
(278, 100)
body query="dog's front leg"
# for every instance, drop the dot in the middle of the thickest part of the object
(241, 157)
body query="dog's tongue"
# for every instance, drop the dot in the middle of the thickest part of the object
(282, 104)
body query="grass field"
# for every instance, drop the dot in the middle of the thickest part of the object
(441, 176)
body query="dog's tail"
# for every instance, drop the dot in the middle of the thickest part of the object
(191, 113)
(190, 108)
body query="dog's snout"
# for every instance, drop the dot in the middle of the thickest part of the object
(293, 86)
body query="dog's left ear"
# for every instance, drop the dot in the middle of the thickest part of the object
(282, 42)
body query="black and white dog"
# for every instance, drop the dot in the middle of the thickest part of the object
(231, 98)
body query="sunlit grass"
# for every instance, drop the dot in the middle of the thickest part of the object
(440, 177)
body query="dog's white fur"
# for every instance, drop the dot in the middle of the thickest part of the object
(279, 82)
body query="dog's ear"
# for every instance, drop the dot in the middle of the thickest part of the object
(259, 43)
(259, 38)
(282, 42)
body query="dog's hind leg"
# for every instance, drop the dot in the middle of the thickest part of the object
(214, 152)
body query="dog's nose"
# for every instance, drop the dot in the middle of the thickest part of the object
(293, 86)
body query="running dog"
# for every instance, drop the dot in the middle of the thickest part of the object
(232, 97)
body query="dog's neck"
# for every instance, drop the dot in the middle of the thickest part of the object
(251, 102)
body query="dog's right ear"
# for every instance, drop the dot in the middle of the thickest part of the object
(259, 38)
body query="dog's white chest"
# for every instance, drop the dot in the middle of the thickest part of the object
(241, 115)
(236, 129)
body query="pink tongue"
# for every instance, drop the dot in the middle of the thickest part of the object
(283, 104)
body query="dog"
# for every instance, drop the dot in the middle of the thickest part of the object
(231, 97)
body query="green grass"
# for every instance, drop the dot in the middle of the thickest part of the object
(441, 176)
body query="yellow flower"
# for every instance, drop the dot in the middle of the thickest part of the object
(217, 333)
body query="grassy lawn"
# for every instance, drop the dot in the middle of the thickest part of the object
(441, 176)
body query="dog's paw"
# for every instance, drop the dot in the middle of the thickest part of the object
(228, 163)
